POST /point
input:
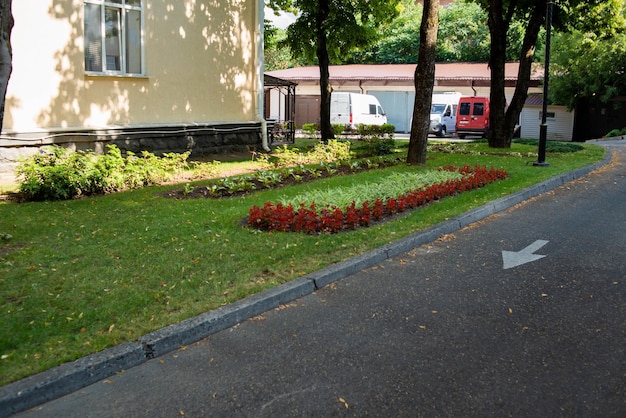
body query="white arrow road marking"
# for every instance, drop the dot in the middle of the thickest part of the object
(517, 258)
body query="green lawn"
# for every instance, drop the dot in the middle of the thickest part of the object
(82, 275)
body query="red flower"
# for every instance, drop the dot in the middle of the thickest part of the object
(277, 217)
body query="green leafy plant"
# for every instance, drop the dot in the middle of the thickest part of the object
(616, 132)
(60, 174)
(268, 178)
(554, 146)
(338, 128)
(380, 146)
(366, 132)
(310, 129)
(385, 187)
(188, 188)
(285, 157)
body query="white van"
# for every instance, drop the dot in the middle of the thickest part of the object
(443, 113)
(354, 109)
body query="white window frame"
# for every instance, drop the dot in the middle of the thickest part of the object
(123, 8)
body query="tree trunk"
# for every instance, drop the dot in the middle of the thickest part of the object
(527, 53)
(424, 82)
(503, 118)
(498, 29)
(326, 129)
(6, 53)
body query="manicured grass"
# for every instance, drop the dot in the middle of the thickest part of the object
(82, 275)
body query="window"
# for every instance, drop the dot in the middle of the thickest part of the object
(479, 109)
(113, 36)
(464, 109)
(372, 109)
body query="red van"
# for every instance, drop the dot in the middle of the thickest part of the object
(472, 116)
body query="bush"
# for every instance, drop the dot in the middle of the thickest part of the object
(311, 129)
(284, 156)
(375, 131)
(59, 174)
(553, 146)
(380, 146)
(338, 128)
(616, 132)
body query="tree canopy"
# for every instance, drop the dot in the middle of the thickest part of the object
(327, 30)
(571, 14)
(588, 53)
(588, 64)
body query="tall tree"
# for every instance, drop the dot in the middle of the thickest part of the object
(326, 30)
(463, 36)
(424, 82)
(584, 68)
(6, 52)
(502, 14)
(587, 64)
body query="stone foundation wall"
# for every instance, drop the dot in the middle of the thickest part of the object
(199, 139)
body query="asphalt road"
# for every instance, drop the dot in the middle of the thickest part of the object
(446, 330)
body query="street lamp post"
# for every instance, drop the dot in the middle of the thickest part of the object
(543, 128)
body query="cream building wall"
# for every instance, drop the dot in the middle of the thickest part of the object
(200, 67)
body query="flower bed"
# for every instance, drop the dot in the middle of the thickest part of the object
(332, 219)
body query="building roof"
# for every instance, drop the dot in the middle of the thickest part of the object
(400, 72)
(270, 81)
(535, 99)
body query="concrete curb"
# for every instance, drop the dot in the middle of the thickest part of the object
(69, 377)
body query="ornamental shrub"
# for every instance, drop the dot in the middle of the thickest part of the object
(367, 132)
(338, 128)
(616, 132)
(333, 151)
(311, 129)
(380, 146)
(58, 173)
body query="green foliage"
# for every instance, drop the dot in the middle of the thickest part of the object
(463, 36)
(603, 18)
(380, 146)
(554, 146)
(83, 275)
(60, 174)
(284, 156)
(616, 132)
(372, 131)
(587, 66)
(391, 185)
(349, 25)
(338, 128)
(310, 129)
(376, 140)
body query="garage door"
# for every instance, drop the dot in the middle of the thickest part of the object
(399, 107)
